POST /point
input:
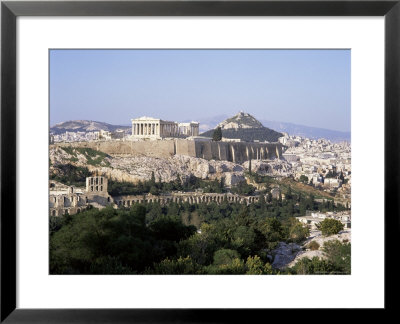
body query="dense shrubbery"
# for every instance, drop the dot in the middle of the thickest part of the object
(154, 187)
(313, 246)
(109, 241)
(330, 226)
(93, 157)
(338, 260)
(150, 238)
(70, 175)
(242, 188)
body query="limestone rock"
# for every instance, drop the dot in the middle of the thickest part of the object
(269, 167)
(233, 178)
(284, 253)
(139, 168)
(316, 236)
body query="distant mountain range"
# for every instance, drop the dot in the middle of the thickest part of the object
(85, 126)
(209, 123)
(309, 132)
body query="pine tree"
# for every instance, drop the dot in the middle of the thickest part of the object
(289, 193)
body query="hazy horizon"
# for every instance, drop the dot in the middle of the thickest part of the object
(303, 87)
(129, 124)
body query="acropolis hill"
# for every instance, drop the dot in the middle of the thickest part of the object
(158, 138)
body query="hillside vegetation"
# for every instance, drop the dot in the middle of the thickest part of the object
(248, 134)
(245, 127)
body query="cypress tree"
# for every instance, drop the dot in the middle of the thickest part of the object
(250, 166)
(217, 135)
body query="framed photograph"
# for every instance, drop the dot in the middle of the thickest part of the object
(163, 158)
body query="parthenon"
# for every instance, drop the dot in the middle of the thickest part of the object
(155, 128)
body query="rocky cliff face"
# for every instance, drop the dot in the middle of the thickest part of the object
(135, 168)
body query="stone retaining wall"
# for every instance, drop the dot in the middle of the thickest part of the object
(234, 152)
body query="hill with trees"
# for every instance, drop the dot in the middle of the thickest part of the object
(245, 127)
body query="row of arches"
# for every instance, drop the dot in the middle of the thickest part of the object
(195, 199)
(75, 200)
(66, 211)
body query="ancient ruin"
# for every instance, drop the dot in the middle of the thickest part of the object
(155, 128)
(66, 200)
(70, 200)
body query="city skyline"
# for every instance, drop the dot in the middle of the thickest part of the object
(305, 87)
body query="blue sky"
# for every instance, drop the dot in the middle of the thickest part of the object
(307, 87)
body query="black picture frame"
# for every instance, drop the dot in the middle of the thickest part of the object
(10, 10)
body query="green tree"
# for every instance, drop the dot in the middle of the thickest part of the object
(153, 178)
(339, 254)
(289, 194)
(154, 191)
(237, 266)
(225, 257)
(255, 266)
(318, 266)
(262, 203)
(250, 166)
(227, 261)
(217, 135)
(180, 266)
(272, 229)
(303, 179)
(243, 239)
(330, 226)
(337, 260)
(298, 232)
(83, 244)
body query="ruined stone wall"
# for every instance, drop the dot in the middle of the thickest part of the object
(226, 151)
